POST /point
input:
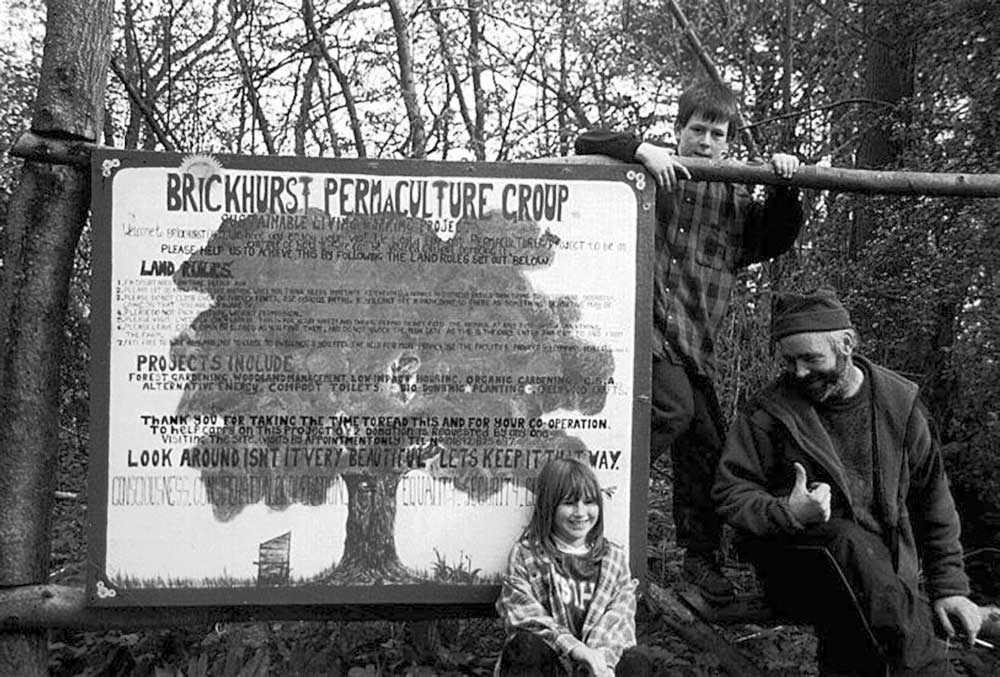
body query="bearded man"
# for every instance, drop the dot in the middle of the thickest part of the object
(833, 476)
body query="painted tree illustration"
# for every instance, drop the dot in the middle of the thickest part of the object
(384, 330)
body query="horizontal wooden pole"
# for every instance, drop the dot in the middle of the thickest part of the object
(829, 178)
(38, 148)
(34, 607)
(31, 146)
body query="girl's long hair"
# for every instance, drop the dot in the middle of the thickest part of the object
(562, 479)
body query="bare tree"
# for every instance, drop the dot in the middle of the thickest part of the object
(309, 18)
(473, 118)
(164, 62)
(247, 77)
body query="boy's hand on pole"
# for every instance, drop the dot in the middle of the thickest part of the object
(784, 164)
(663, 164)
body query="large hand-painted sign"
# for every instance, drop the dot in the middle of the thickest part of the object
(332, 381)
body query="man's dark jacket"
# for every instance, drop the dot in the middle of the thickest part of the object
(913, 503)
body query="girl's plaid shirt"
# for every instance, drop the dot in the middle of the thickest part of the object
(529, 601)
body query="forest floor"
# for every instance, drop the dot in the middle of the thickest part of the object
(444, 648)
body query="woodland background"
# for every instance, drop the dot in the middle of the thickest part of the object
(893, 84)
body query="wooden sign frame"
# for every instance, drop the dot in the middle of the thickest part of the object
(292, 352)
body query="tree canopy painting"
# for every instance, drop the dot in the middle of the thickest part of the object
(396, 350)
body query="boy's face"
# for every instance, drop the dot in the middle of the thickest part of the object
(702, 138)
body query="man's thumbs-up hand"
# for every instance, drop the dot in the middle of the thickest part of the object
(809, 503)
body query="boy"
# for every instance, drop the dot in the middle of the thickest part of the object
(706, 231)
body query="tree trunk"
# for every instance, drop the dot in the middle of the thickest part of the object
(927, 353)
(308, 17)
(889, 78)
(418, 134)
(132, 64)
(304, 120)
(779, 267)
(47, 212)
(787, 64)
(451, 68)
(247, 75)
(370, 556)
(476, 66)
(563, 95)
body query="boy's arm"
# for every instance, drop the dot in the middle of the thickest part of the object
(770, 227)
(659, 160)
(617, 145)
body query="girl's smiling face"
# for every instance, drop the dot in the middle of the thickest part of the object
(574, 518)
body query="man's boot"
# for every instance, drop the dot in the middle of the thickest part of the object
(702, 570)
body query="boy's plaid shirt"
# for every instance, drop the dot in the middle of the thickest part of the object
(706, 232)
(529, 601)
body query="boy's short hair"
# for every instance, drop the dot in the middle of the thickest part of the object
(714, 101)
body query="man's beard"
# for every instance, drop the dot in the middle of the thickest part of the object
(820, 386)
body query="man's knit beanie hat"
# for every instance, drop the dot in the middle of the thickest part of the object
(818, 310)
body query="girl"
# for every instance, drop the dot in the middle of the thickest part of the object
(568, 599)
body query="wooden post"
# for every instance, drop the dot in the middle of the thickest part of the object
(46, 215)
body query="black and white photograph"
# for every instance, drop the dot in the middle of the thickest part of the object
(428, 338)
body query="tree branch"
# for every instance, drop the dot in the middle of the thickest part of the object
(816, 109)
(710, 68)
(476, 65)
(248, 84)
(418, 134)
(165, 138)
(309, 18)
(452, 70)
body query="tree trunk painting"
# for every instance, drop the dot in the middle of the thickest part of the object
(370, 556)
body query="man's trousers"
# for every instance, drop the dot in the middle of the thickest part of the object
(839, 576)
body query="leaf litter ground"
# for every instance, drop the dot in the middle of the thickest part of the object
(446, 648)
